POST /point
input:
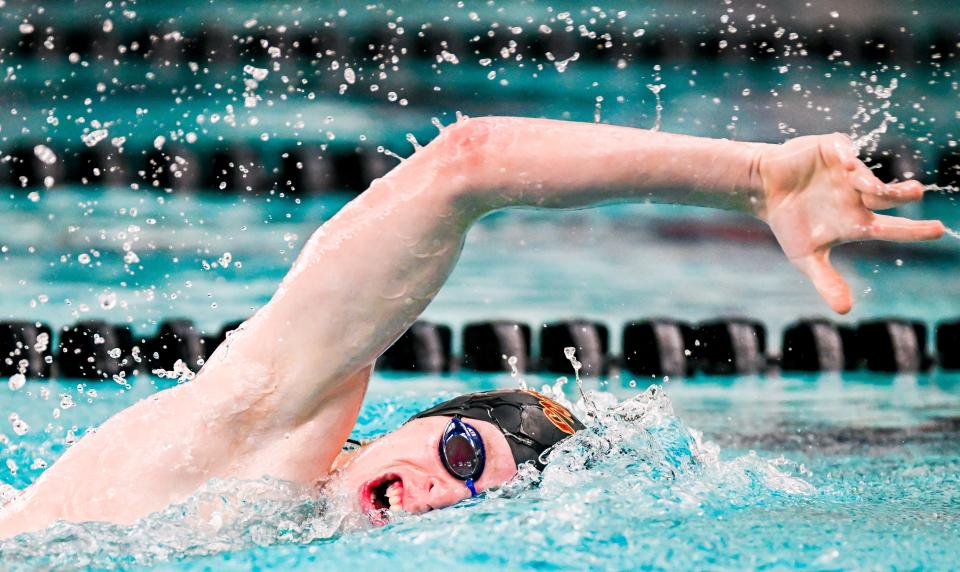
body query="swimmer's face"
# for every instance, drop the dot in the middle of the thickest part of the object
(403, 471)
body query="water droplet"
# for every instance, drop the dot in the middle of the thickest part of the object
(656, 89)
(108, 300)
(258, 74)
(94, 137)
(20, 426)
(413, 141)
(16, 381)
(45, 154)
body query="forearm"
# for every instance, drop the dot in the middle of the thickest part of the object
(548, 163)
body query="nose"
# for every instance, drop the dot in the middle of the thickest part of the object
(440, 493)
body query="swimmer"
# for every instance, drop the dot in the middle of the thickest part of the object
(281, 396)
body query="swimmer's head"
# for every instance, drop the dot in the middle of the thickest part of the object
(532, 423)
(444, 454)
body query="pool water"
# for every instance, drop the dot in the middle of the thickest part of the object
(826, 471)
(821, 472)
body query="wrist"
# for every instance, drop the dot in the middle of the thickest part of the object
(754, 187)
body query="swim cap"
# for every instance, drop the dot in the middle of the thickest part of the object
(531, 422)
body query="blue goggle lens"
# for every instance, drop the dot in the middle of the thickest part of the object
(461, 450)
(462, 458)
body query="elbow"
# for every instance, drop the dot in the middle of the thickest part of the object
(463, 154)
(454, 167)
(463, 143)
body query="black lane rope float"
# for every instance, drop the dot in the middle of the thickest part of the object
(655, 347)
(227, 168)
(211, 45)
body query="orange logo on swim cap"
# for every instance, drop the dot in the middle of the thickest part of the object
(556, 413)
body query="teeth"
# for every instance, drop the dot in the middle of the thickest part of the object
(394, 495)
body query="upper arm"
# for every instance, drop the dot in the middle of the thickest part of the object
(359, 282)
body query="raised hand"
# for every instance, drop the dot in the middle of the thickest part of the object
(817, 194)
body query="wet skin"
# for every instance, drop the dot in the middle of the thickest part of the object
(408, 461)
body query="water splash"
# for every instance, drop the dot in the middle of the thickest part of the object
(413, 141)
(868, 142)
(389, 153)
(945, 189)
(634, 455)
(561, 65)
(515, 371)
(570, 354)
(656, 88)
(180, 372)
(642, 437)
(224, 515)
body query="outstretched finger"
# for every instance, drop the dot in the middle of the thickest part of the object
(829, 283)
(869, 184)
(884, 227)
(897, 194)
(910, 190)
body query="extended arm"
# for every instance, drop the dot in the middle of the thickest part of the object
(366, 275)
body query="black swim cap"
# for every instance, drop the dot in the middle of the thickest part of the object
(531, 422)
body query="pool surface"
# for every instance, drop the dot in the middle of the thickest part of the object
(825, 472)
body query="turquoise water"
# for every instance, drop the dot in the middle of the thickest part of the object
(818, 472)
(828, 472)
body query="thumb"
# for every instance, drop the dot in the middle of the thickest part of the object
(829, 283)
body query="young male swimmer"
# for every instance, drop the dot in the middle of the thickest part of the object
(282, 395)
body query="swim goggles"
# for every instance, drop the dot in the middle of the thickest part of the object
(461, 452)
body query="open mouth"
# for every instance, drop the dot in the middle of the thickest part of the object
(382, 496)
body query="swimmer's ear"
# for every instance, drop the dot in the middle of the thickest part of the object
(828, 282)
